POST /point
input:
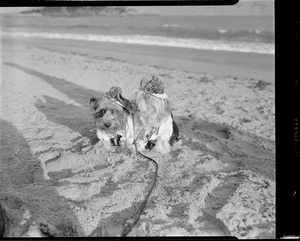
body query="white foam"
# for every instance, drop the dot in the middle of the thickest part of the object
(217, 45)
(171, 26)
(222, 30)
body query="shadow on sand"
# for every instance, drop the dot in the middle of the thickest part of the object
(26, 195)
(222, 139)
(222, 142)
(240, 148)
(77, 118)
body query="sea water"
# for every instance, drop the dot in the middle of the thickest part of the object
(247, 34)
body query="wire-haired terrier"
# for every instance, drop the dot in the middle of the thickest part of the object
(154, 126)
(113, 119)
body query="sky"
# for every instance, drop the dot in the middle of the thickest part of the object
(244, 7)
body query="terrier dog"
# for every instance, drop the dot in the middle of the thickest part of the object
(154, 124)
(113, 119)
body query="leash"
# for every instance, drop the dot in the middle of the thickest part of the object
(115, 96)
(127, 230)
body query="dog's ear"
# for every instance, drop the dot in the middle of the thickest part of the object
(93, 103)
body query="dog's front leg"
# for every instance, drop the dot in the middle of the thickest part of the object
(162, 146)
(125, 147)
(107, 145)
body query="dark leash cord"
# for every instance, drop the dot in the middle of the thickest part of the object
(127, 229)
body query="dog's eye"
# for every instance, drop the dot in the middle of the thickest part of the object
(100, 113)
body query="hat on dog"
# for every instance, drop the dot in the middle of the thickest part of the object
(114, 94)
(152, 85)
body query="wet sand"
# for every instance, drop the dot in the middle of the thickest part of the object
(218, 180)
(219, 63)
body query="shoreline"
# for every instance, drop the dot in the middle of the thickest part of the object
(217, 63)
(189, 72)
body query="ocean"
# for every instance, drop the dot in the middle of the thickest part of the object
(247, 34)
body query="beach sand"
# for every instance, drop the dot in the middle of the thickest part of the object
(218, 180)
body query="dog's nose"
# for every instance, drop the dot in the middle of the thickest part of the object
(107, 124)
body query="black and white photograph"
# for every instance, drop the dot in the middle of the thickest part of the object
(138, 121)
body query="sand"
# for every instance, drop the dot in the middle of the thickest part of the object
(219, 179)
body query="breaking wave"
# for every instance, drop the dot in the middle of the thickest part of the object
(192, 43)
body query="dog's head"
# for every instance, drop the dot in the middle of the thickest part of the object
(110, 112)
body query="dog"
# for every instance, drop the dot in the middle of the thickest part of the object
(154, 126)
(113, 119)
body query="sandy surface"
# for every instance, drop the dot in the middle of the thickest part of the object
(219, 180)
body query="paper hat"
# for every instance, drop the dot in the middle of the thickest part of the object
(114, 94)
(152, 85)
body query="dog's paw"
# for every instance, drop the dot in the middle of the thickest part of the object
(106, 146)
(150, 145)
(177, 144)
(162, 146)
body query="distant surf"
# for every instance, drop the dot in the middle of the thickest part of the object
(246, 35)
(192, 43)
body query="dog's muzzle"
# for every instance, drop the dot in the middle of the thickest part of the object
(107, 124)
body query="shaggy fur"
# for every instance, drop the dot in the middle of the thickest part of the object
(153, 115)
(113, 123)
(146, 119)
(152, 111)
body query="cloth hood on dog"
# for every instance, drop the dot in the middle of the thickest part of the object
(114, 94)
(152, 85)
